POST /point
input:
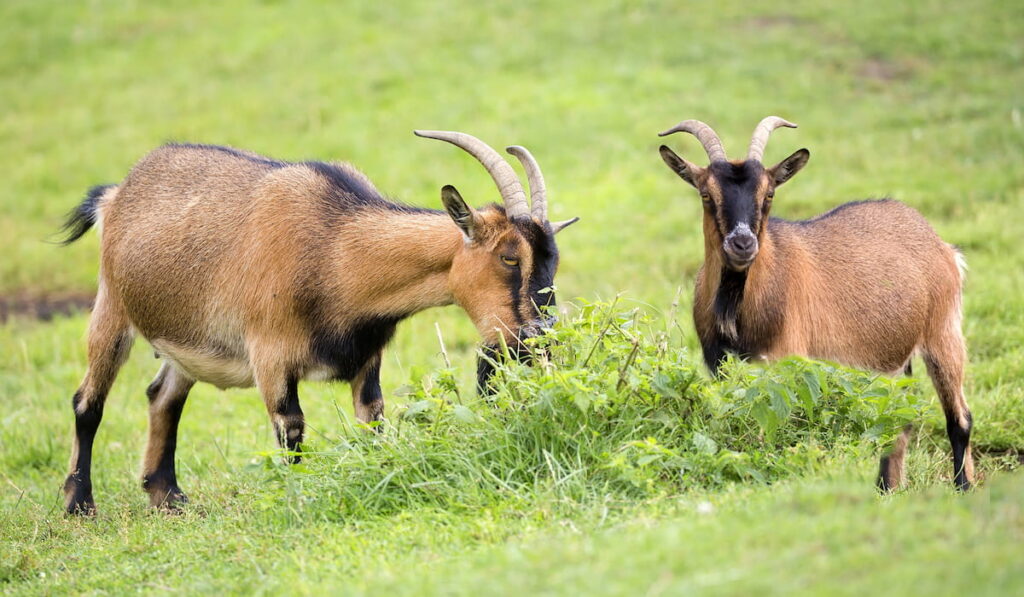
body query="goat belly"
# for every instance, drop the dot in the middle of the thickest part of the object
(221, 370)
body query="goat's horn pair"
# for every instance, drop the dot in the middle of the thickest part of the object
(504, 176)
(713, 145)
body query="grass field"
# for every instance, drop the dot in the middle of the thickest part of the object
(648, 479)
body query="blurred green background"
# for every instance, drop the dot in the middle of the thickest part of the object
(921, 101)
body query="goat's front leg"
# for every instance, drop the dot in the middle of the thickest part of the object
(367, 400)
(279, 388)
(489, 355)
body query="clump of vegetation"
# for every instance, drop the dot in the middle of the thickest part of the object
(610, 408)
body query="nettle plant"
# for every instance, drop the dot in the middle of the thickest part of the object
(618, 392)
(613, 405)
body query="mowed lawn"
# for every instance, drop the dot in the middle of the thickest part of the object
(920, 101)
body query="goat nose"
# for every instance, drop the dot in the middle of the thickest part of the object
(743, 242)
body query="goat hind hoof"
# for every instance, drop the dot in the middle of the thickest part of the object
(170, 501)
(84, 508)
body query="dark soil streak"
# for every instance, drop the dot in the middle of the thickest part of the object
(44, 307)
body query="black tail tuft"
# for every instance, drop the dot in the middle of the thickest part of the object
(82, 218)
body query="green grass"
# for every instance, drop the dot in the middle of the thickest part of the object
(919, 101)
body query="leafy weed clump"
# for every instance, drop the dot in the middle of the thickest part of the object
(610, 408)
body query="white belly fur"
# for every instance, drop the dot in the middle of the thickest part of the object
(223, 372)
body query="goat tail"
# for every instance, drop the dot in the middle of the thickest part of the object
(83, 217)
(961, 263)
(891, 470)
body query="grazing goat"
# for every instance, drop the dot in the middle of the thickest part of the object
(867, 284)
(241, 270)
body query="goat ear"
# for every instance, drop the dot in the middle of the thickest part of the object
(687, 171)
(785, 169)
(461, 213)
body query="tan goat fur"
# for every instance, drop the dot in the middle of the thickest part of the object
(241, 270)
(868, 284)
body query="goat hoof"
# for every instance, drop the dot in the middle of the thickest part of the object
(80, 507)
(78, 498)
(168, 500)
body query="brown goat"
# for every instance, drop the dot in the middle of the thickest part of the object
(868, 284)
(242, 270)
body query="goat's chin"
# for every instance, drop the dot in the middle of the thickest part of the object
(739, 265)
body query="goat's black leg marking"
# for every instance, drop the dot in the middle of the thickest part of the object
(485, 369)
(367, 398)
(110, 342)
(945, 366)
(78, 485)
(289, 422)
(891, 468)
(279, 387)
(960, 440)
(167, 395)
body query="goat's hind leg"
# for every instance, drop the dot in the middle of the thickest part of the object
(891, 469)
(110, 341)
(945, 356)
(167, 395)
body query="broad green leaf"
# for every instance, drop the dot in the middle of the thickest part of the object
(464, 414)
(704, 444)
(647, 459)
(416, 408)
(662, 385)
(765, 417)
(780, 400)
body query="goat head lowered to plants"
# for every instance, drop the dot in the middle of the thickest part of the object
(243, 270)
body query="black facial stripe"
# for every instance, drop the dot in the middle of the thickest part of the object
(545, 261)
(738, 185)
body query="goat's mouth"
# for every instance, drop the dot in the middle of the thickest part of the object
(537, 327)
(739, 262)
(491, 352)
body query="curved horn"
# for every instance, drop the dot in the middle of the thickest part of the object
(504, 176)
(707, 136)
(538, 191)
(761, 133)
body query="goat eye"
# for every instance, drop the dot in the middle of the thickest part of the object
(509, 261)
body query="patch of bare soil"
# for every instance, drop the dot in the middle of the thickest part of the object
(44, 307)
(1013, 453)
(880, 69)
